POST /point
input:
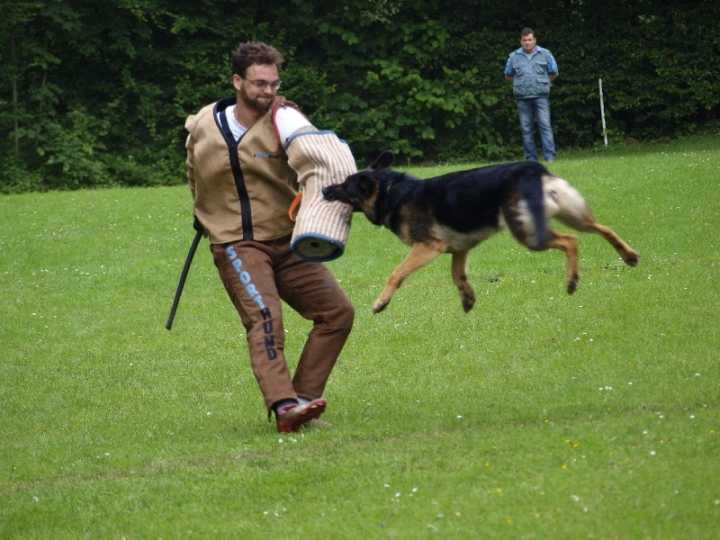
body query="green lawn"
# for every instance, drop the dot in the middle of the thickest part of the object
(536, 415)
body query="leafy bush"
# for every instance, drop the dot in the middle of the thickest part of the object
(96, 92)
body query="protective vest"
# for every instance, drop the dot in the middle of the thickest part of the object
(241, 189)
(531, 79)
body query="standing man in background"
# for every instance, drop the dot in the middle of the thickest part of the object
(530, 69)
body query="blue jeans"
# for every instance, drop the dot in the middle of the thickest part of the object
(528, 110)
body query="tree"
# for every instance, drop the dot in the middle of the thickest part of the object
(96, 92)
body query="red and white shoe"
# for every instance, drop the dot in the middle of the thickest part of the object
(293, 417)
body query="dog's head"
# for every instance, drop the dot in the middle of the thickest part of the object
(360, 190)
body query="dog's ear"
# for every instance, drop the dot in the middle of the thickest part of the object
(383, 161)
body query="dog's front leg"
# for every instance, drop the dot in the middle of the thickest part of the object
(419, 256)
(459, 275)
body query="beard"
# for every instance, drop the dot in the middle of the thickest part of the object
(259, 104)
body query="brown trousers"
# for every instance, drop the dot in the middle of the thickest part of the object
(257, 276)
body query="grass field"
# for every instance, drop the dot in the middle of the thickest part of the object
(536, 415)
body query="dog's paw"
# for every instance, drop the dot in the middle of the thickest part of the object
(380, 305)
(632, 258)
(572, 284)
(468, 302)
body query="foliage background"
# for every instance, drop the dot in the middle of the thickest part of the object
(95, 92)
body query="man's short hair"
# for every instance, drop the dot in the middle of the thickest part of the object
(526, 31)
(251, 53)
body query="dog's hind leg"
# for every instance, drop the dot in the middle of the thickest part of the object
(567, 243)
(628, 254)
(459, 275)
(419, 256)
(528, 225)
(522, 225)
(567, 205)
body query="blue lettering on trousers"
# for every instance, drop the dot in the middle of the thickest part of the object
(246, 280)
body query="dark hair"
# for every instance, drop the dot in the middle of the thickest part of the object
(525, 31)
(251, 53)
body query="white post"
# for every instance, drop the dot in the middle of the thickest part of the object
(602, 111)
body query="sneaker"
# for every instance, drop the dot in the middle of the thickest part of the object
(293, 417)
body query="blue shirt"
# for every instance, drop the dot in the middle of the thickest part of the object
(533, 78)
(552, 64)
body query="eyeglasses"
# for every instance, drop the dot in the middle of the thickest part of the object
(261, 85)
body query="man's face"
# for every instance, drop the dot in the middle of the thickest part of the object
(528, 43)
(259, 86)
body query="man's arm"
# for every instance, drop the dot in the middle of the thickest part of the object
(509, 72)
(553, 70)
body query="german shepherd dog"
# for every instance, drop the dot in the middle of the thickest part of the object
(453, 213)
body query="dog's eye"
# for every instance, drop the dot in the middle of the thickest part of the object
(365, 185)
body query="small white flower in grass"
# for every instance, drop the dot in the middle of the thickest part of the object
(652, 452)
(209, 413)
(386, 485)
(692, 416)
(459, 416)
(280, 441)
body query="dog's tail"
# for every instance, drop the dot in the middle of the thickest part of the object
(529, 183)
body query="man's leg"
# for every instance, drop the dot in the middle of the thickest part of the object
(246, 270)
(542, 108)
(312, 291)
(526, 113)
